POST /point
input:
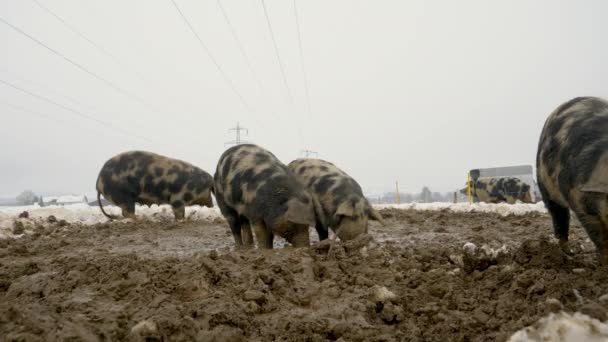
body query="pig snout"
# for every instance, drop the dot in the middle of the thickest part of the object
(350, 228)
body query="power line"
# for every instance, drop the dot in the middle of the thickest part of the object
(237, 131)
(76, 112)
(48, 89)
(295, 11)
(75, 64)
(308, 153)
(210, 55)
(276, 50)
(48, 117)
(239, 44)
(97, 46)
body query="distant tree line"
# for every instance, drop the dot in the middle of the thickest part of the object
(27, 197)
(424, 196)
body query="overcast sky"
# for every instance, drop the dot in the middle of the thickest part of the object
(419, 91)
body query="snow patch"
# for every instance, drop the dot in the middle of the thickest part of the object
(503, 209)
(565, 328)
(82, 213)
(89, 215)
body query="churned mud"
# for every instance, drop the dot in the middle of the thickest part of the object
(425, 276)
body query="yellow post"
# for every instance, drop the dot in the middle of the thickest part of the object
(398, 196)
(470, 195)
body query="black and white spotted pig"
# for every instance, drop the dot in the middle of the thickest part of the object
(572, 169)
(500, 189)
(255, 190)
(345, 210)
(148, 178)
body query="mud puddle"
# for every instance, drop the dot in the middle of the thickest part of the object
(411, 280)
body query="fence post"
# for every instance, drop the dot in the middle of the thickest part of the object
(397, 196)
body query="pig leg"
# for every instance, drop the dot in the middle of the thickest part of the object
(246, 234)
(128, 210)
(561, 224)
(301, 238)
(235, 227)
(596, 229)
(322, 232)
(264, 236)
(560, 217)
(233, 221)
(179, 212)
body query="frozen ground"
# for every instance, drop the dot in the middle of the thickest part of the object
(89, 215)
(436, 272)
(501, 208)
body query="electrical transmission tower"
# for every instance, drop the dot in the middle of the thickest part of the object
(237, 131)
(308, 153)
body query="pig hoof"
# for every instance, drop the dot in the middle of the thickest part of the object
(603, 258)
(565, 248)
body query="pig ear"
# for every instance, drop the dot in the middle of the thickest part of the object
(375, 215)
(598, 182)
(300, 213)
(345, 209)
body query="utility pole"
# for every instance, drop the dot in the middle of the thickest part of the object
(308, 153)
(237, 131)
(397, 194)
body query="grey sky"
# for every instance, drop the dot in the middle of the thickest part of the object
(419, 91)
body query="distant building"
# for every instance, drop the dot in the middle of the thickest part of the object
(104, 203)
(64, 200)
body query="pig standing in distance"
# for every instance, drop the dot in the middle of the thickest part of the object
(254, 189)
(148, 178)
(345, 209)
(500, 189)
(572, 169)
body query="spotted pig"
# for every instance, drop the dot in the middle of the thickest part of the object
(147, 178)
(500, 189)
(572, 169)
(345, 210)
(255, 190)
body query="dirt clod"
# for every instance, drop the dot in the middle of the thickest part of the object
(554, 305)
(18, 227)
(595, 310)
(410, 280)
(146, 331)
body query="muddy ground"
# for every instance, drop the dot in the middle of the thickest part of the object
(410, 280)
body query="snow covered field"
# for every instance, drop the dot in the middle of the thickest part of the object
(87, 215)
(501, 208)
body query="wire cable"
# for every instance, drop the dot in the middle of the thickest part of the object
(244, 54)
(48, 89)
(75, 64)
(276, 50)
(215, 62)
(295, 11)
(78, 113)
(45, 116)
(94, 44)
(239, 44)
